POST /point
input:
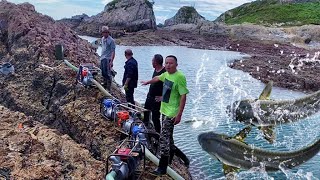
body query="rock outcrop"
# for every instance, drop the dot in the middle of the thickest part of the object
(62, 135)
(185, 15)
(30, 150)
(74, 21)
(120, 15)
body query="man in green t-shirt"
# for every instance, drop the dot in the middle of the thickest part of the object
(174, 96)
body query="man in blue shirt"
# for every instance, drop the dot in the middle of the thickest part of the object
(130, 76)
(107, 56)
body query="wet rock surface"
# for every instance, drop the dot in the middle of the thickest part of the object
(68, 136)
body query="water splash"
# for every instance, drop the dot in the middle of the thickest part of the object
(299, 175)
(297, 63)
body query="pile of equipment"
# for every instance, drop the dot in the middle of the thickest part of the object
(126, 160)
(86, 73)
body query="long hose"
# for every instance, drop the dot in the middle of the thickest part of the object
(149, 155)
(170, 171)
(93, 81)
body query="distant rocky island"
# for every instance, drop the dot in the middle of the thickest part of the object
(120, 15)
(185, 15)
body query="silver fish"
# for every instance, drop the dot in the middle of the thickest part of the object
(237, 154)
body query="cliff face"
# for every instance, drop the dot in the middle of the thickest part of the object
(185, 15)
(119, 15)
(61, 135)
(37, 91)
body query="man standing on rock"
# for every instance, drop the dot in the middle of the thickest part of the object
(153, 100)
(174, 97)
(130, 76)
(107, 56)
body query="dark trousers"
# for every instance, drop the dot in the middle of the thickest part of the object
(154, 106)
(129, 95)
(166, 136)
(106, 72)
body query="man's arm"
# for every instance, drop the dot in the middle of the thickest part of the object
(126, 84)
(112, 57)
(129, 70)
(183, 100)
(153, 80)
(113, 48)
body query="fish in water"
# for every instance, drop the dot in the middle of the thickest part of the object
(266, 113)
(236, 154)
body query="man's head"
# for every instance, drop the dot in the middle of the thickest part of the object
(128, 53)
(105, 31)
(171, 64)
(157, 60)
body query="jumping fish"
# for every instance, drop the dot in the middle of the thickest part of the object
(265, 113)
(236, 154)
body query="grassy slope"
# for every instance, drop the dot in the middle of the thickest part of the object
(271, 12)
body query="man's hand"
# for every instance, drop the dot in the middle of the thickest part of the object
(158, 98)
(144, 83)
(125, 87)
(177, 119)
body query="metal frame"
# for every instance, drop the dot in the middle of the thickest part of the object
(128, 156)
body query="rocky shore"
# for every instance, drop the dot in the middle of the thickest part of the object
(50, 127)
(289, 66)
(285, 55)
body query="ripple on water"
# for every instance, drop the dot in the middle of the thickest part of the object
(212, 87)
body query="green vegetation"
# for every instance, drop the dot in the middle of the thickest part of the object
(188, 11)
(271, 12)
(112, 4)
(149, 4)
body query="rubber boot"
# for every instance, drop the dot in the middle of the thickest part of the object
(162, 168)
(172, 152)
(108, 85)
(182, 156)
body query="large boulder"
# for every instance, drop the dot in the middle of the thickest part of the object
(185, 15)
(74, 21)
(120, 16)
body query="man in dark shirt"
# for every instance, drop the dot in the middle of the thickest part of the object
(130, 76)
(153, 100)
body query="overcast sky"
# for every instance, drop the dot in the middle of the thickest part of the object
(163, 9)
